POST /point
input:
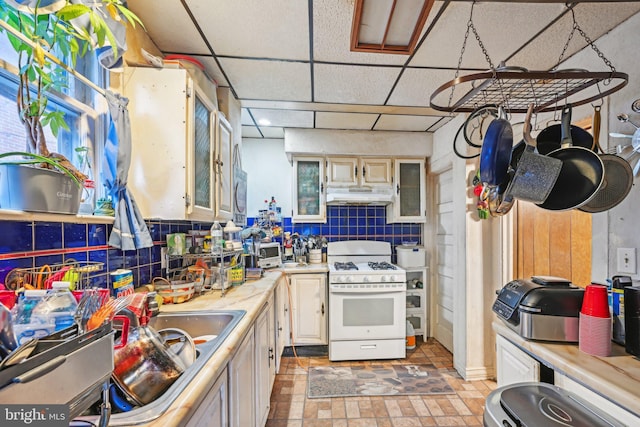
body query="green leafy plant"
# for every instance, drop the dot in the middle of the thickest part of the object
(39, 75)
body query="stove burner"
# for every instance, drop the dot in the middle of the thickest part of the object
(383, 265)
(345, 266)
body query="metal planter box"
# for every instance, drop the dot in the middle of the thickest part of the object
(38, 190)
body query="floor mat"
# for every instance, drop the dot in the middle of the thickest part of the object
(382, 380)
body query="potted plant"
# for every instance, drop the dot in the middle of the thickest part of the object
(68, 28)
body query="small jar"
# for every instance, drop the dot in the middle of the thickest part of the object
(206, 244)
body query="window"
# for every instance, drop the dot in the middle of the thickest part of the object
(78, 102)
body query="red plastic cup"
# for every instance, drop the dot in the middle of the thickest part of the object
(8, 298)
(595, 302)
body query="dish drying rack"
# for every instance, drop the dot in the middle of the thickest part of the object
(221, 272)
(78, 273)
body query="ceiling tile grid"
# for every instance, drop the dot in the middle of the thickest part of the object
(302, 74)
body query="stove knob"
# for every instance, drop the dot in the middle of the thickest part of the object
(349, 279)
(366, 279)
(340, 279)
(384, 279)
(392, 278)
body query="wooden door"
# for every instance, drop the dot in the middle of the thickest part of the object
(553, 243)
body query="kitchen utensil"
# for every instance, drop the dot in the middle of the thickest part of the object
(535, 174)
(179, 343)
(550, 138)
(581, 174)
(625, 119)
(144, 367)
(618, 176)
(496, 152)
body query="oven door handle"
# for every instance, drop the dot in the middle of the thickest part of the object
(365, 291)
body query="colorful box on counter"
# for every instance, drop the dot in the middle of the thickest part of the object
(121, 283)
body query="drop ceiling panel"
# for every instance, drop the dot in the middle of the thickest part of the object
(172, 30)
(272, 132)
(255, 28)
(352, 84)
(259, 79)
(405, 123)
(595, 19)
(329, 120)
(250, 132)
(441, 122)
(503, 27)
(284, 118)
(416, 86)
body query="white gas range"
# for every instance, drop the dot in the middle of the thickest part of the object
(367, 302)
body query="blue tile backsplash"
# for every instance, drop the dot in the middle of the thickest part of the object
(32, 244)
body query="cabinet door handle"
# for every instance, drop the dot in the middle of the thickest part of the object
(355, 170)
(364, 172)
(322, 309)
(321, 187)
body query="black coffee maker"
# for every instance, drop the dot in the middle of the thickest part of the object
(632, 319)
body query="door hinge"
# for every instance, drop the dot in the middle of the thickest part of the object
(189, 91)
(187, 200)
(322, 309)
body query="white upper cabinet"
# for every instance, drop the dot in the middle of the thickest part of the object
(174, 132)
(409, 187)
(224, 169)
(358, 171)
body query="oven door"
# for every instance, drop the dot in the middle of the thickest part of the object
(366, 314)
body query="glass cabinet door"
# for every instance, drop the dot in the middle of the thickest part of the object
(309, 200)
(410, 205)
(202, 155)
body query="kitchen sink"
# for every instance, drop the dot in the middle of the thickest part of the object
(213, 326)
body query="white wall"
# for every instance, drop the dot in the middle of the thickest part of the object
(269, 173)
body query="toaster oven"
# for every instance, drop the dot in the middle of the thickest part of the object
(269, 255)
(544, 308)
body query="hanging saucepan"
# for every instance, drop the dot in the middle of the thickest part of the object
(549, 138)
(496, 151)
(618, 176)
(535, 174)
(581, 174)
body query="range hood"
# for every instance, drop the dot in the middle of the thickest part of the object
(359, 195)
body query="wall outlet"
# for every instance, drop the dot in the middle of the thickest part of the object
(627, 260)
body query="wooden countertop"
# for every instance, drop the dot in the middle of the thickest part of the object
(617, 377)
(250, 296)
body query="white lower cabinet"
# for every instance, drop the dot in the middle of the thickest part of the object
(309, 308)
(213, 410)
(514, 365)
(265, 367)
(281, 305)
(242, 387)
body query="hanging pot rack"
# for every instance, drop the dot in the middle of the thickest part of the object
(515, 90)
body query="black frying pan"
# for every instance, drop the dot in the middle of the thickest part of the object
(549, 138)
(581, 174)
(618, 176)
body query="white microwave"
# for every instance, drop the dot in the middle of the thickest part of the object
(269, 255)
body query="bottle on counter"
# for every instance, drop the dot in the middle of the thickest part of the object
(216, 238)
